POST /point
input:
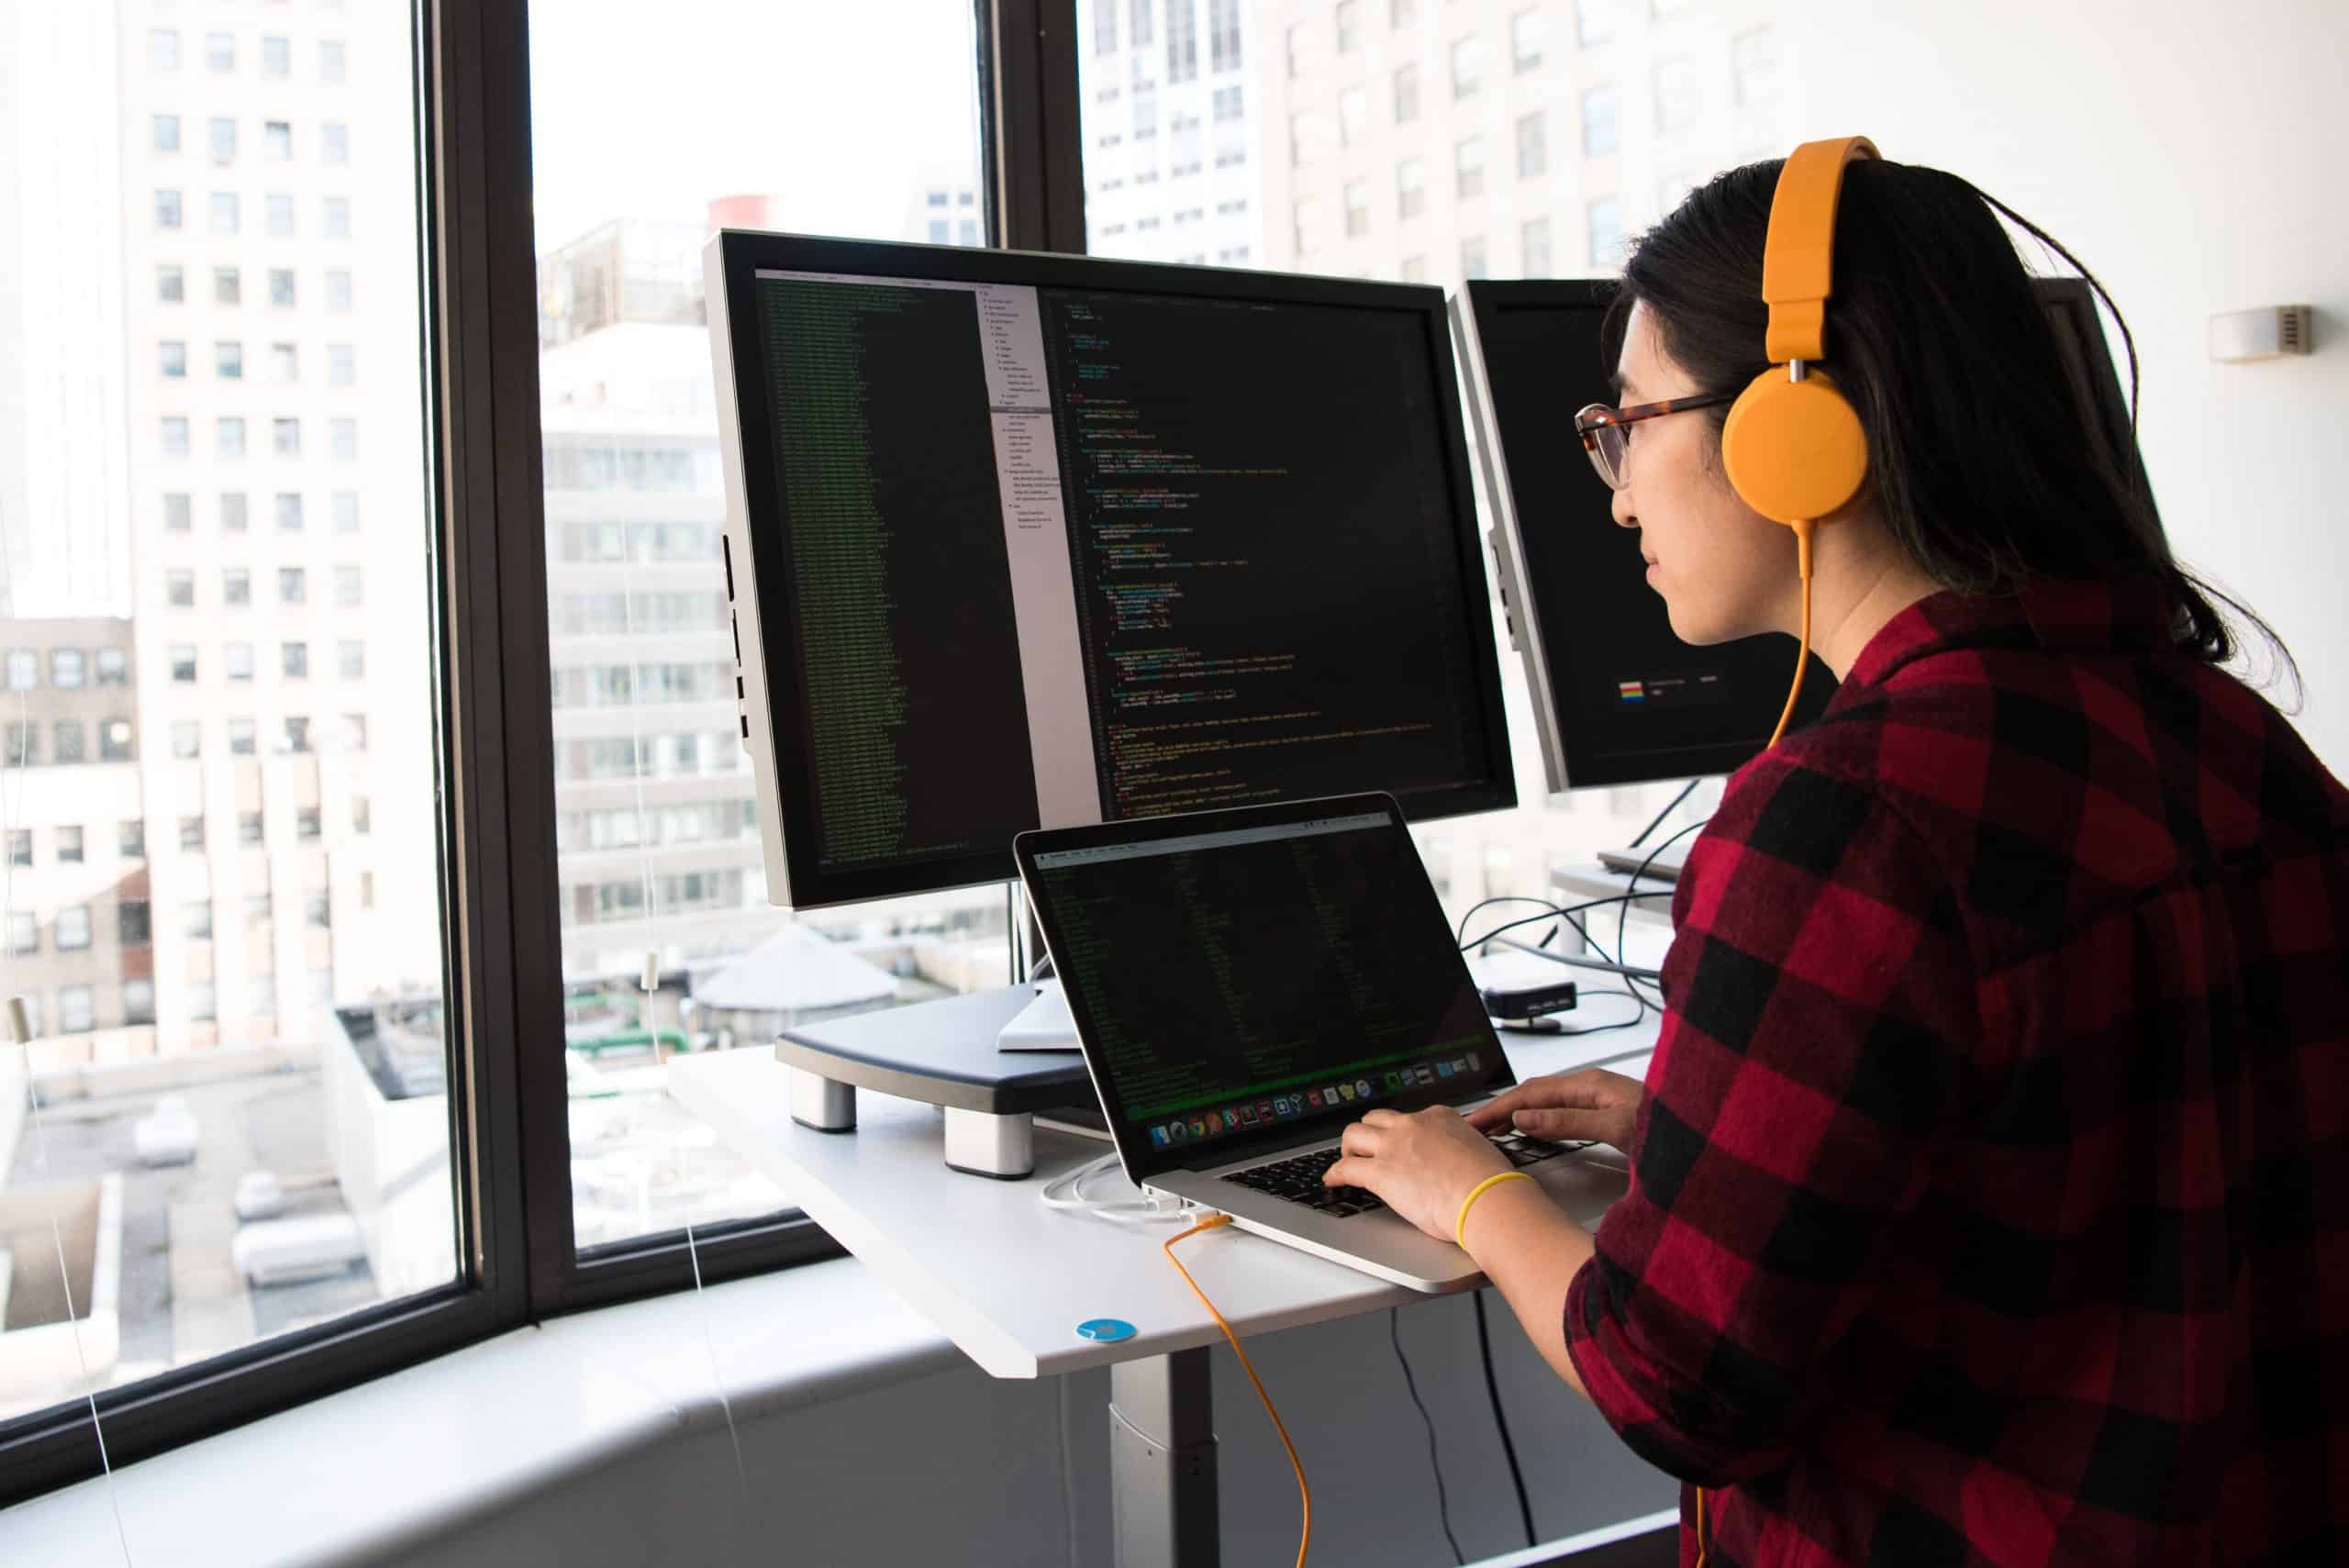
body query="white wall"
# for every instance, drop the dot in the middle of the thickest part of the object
(2192, 155)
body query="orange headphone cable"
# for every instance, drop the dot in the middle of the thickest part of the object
(1802, 654)
(1305, 1494)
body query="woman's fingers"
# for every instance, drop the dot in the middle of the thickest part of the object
(1359, 1137)
(1566, 1125)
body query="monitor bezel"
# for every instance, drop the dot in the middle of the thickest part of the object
(770, 708)
(1141, 1157)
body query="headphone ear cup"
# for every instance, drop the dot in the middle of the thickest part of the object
(1794, 450)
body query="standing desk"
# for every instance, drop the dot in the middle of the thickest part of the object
(1009, 1280)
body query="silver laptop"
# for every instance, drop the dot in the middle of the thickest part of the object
(1246, 983)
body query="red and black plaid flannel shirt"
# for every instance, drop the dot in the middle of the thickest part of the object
(1991, 1193)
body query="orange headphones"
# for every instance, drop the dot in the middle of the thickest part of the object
(1793, 446)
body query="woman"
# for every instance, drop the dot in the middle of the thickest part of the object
(1988, 1178)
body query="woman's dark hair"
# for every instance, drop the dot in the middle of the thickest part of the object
(1984, 458)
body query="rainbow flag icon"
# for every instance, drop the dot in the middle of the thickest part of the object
(1630, 691)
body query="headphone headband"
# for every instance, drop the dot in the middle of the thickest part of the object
(1798, 266)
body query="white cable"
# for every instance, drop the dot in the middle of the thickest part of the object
(10, 805)
(1148, 1209)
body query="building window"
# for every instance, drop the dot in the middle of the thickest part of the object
(164, 48)
(289, 511)
(67, 668)
(183, 655)
(330, 60)
(249, 831)
(20, 846)
(1299, 49)
(192, 833)
(1104, 27)
(337, 290)
(114, 667)
(1308, 225)
(68, 846)
(290, 588)
(1182, 40)
(74, 930)
(285, 363)
(236, 658)
(276, 57)
(294, 660)
(236, 586)
(114, 740)
(338, 217)
(1598, 121)
(137, 1001)
(131, 840)
(226, 212)
(1525, 41)
(362, 818)
(286, 437)
(346, 511)
(195, 916)
(24, 933)
(171, 284)
(342, 359)
(297, 735)
(1754, 67)
(24, 745)
(350, 660)
(202, 1004)
(278, 209)
(1532, 147)
(277, 141)
(76, 1009)
(166, 133)
(1229, 105)
(1472, 257)
(1676, 96)
(241, 737)
(221, 51)
(348, 586)
(1415, 269)
(1357, 208)
(1402, 12)
(179, 589)
(333, 142)
(343, 439)
(167, 209)
(1349, 26)
(1594, 21)
(230, 436)
(24, 669)
(233, 512)
(1353, 116)
(132, 922)
(228, 360)
(1468, 168)
(280, 286)
(261, 997)
(1467, 61)
(227, 286)
(306, 824)
(1138, 23)
(1534, 238)
(70, 741)
(1605, 220)
(1223, 35)
(179, 511)
(222, 139)
(1410, 188)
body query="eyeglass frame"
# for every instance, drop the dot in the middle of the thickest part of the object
(1589, 429)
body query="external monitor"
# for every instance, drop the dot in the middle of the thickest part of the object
(1618, 698)
(1019, 540)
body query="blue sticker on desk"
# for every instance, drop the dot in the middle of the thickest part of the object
(1108, 1330)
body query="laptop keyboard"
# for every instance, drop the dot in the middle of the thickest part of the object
(1298, 1179)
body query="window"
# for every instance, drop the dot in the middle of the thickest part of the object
(1532, 147)
(260, 908)
(202, 1008)
(1402, 12)
(74, 930)
(261, 997)
(138, 1001)
(195, 916)
(228, 360)
(24, 745)
(67, 668)
(171, 284)
(342, 359)
(1594, 21)
(280, 286)
(1307, 222)
(1605, 217)
(76, 1011)
(165, 134)
(1223, 35)
(236, 658)
(1472, 257)
(1230, 106)
(173, 438)
(277, 141)
(249, 831)
(1410, 188)
(276, 57)
(330, 60)
(342, 436)
(291, 588)
(68, 846)
(297, 735)
(1138, 20)
(346, 512)
(278, 209)
(167, 209)
(20, 846)
(333, 142)
(192, 833)
(289, 511)
(337, 290)
(24, 931)
(350, 660)
(179, 589)
(1534, 245)
(241, 737)
(1598, 121)
(114, 667)
(1104, 27)
(286, 437)
(172, 359)
(1754, 67)
(294, 660)
(318, 911)
(285, 363)
(1182, 40)
(1676, 96)
(179, 511)
(24, 669)
(132, 921)
(233, 512)
(70, 741)
(130, 839)
(1468, 168)
(229, 436)
(227, 286)
(222, 139)
(114, 740)
(221, 51)
(1349, 26)
(306, 823)
(1467, 61)
(1353, 116)
(1357, 208)
(226, 212)
(164, 48)
(1525, 41)
(338, 217)
(362, 818)
(184, 664)
(1415, 269)
(348, 586)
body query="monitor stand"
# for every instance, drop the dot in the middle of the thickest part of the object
(1043, 1025)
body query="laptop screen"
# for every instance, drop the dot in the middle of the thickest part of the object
(1239, 977)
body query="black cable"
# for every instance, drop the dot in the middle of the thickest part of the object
(1442, 1498)
(1500, 1417)
(1563, 911)
(1686, 791)
(1626, 918)
(1460, 933)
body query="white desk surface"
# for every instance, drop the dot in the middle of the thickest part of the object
(1009, 1280)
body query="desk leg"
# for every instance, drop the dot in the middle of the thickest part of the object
(1161, 1462)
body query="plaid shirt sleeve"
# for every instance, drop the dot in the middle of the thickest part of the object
(1808, 1065)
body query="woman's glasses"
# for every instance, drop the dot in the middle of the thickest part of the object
(1606, 435)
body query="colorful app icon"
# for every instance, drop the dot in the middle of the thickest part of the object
(1158, 1135)
(1313, 1096)
(1346, 1092)
(1330, 1096)
(1230, 1116)
(1394, 1080)
(1176, 1131)
(1363, 1088)
(1198, 1128)
(1264, 1110)
(1426, 1073)
(1460, 1065)
(1443, 1069)
(1475, 1065)
(1247, 1116)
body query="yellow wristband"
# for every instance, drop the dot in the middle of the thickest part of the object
(1460, 1226)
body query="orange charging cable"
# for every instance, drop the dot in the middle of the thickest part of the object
(1304, 1492)
(1802, 654)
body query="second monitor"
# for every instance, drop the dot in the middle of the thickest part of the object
(1019, 540)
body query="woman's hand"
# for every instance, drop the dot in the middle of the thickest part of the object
(1567, 1105)
(1423, 1165)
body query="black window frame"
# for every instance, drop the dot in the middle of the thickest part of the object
(509, 1139)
